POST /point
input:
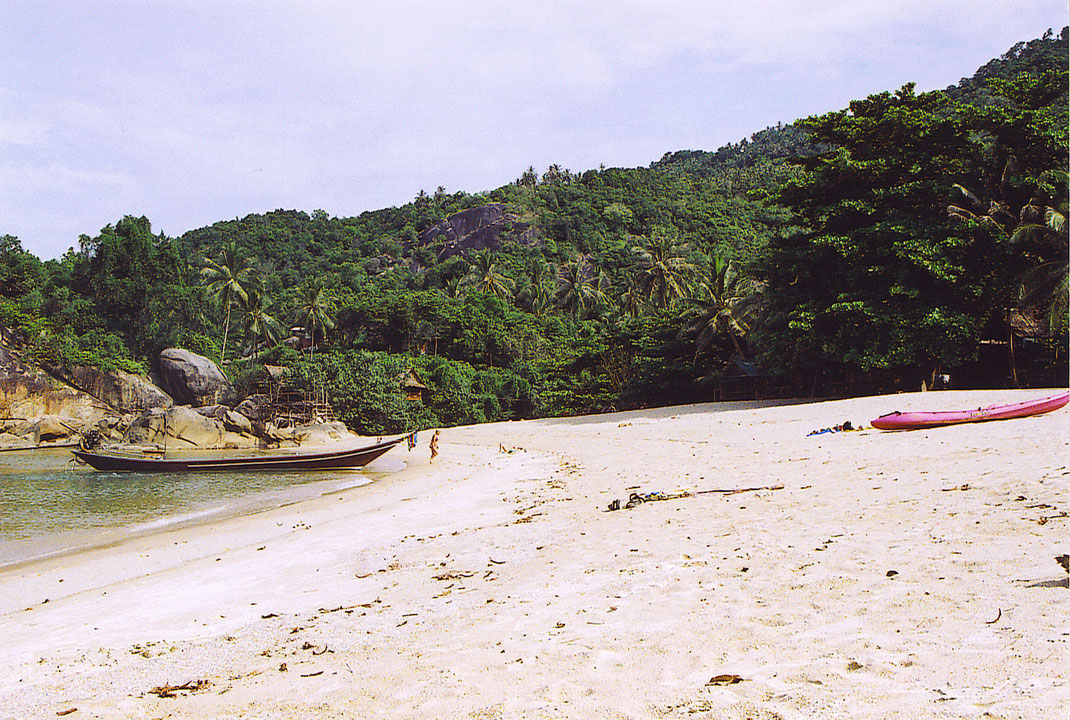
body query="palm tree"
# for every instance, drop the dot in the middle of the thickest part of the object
(1039, 231)
(721, 302)
(538, 291)
(227, 276)
(315, 310)
(579, 289)
(453, 288)
(662, 273)
(600, 290)
(259, 324)
(485, 277)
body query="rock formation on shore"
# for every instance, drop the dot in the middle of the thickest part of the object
(39, 408)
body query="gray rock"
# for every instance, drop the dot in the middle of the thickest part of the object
(51, 428)
(16, 427)
(9, 441)
(193, 379)
(123, 391)
(183, 427)
(235, 422)
(253, 407)
(477, 228)
(193, 428)
(216, 412)
(321, 433)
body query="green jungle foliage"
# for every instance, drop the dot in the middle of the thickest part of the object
(864, 249)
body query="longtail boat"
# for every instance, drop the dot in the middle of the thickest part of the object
(917, 420)
(342, 458)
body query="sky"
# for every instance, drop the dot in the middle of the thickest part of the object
(194, 111)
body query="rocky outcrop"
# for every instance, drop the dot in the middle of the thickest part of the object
(254, 407)
(36, 408)
(235, 422)
(51, 428)
(320, 433)
(183, 427)
(476, 229)
(216, 412)
(118, 408)
(192, 379)
(314, 434)
(123, 391)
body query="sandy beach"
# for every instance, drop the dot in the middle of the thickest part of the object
(855, 575)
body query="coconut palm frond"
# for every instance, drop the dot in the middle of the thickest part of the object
(484, 276)
(1026, 233)
(1055, 219)
(961, 213)
(968, 193)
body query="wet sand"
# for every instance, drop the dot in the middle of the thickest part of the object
(876, 575)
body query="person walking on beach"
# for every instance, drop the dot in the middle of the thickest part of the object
(434, 446)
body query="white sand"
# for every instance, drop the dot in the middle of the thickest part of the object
(496, 585)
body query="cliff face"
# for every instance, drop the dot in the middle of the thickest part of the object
(481, 228)
(35, 407)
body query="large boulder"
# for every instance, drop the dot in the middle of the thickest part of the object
(312, 435)
(254, 407)
(235, 422)
(124, 391)
(183, 427)
(13, 442)
(193, 379)
(51, 428)
(479, 228)
(321, 433)
(216, 412)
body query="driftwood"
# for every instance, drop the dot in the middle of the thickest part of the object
(733, 491)
(350, 608)
(170, 690)
(454, 575)
(636, 499)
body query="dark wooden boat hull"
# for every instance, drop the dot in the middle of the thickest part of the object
(349, 458)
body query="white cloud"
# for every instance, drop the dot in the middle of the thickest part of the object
(22, 132)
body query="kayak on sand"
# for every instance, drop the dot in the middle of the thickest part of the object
(916, 420)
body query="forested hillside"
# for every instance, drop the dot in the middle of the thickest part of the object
(870, 248)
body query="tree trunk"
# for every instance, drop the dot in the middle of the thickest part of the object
(226, 329)
(1014, 368)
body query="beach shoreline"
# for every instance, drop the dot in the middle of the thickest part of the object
(873, 575)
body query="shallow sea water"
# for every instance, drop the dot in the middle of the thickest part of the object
(49, 504)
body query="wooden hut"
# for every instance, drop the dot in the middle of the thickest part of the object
(413, 385)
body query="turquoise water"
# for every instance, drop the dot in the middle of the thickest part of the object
(50, 505)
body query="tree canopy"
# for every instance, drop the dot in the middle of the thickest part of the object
(875, 244)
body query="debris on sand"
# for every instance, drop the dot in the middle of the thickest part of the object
(636, 499)
(166, 691)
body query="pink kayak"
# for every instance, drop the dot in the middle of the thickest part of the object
(915, 420)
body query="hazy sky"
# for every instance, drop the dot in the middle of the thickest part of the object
(190, 112)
